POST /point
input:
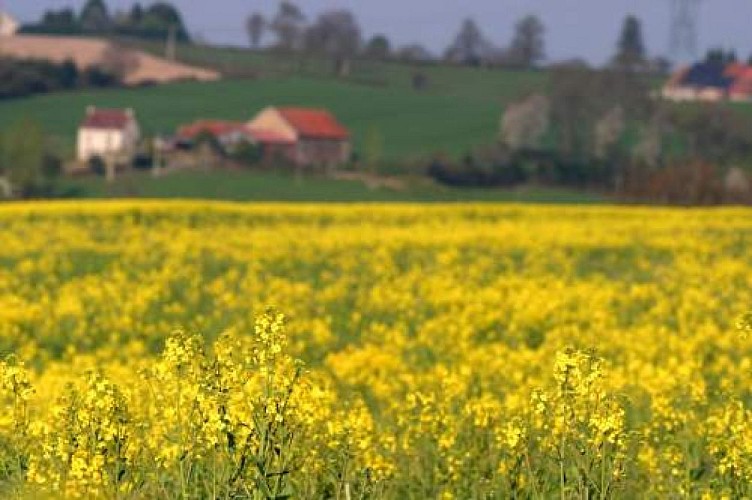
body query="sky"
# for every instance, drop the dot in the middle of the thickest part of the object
(575, 28)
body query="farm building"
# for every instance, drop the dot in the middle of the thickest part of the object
(228, 134)
(109, 134)
(303, 136)
(711, 82)
(8, 25)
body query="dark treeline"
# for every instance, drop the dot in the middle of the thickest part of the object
(605, 129)
(156, 21)
(22, 78)
(336, 32)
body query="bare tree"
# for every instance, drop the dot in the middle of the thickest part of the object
(470, 46)
(95, 16)
(608, 131)
(649, 147)
(525, 122)
(378, 47)
(528, 45)
(736, 184)
(581, 97)
(255, 26)
(336, 34)
(289, 26)
(573, 109)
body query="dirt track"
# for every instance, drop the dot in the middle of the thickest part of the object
(85, 52)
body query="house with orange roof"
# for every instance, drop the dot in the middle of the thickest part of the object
(710, 81)
(228, 134)
(741, 89)
(303, 136)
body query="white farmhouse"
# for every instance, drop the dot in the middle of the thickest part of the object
(8, 25)
(109, 134)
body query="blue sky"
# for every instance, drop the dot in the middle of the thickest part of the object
(586, 28)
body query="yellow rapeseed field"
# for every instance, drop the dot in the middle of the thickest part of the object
(207, 350)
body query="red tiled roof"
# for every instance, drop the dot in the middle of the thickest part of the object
(217, 128)
(733, 70)
(107, 119)
(314, 123)
(742, 85)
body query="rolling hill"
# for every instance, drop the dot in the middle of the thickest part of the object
(411, 124)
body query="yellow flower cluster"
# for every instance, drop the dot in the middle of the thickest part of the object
(443, 351)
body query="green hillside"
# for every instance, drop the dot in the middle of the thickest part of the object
(485, 83)
(458, 109)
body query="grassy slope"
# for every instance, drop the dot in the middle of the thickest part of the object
(271, 186)
(410, 124)
(459, 110)
(493, 84)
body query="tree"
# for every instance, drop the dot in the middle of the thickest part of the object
(528, 44)
(714, 133)
(289, 26)
(69, 74)
(648, 149)
(378, 47)
(720, 56)
(136, 15)
(572, 110)
(630, 50)
(580, 97)
(525, 122)
(608, 132)
(336, 33)
(59, 21)
(95, 16)
(255, 27)
(159, 19)
(23, 156)
(470, 46)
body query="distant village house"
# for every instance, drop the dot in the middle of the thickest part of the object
(111, 135)
(710, 82)
(227, 133)
(8, 25)
(302, 136)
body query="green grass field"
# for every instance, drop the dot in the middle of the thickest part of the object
(276, 186)
(410, 124)
(490, 84)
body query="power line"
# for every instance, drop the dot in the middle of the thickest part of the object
(685, 16)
